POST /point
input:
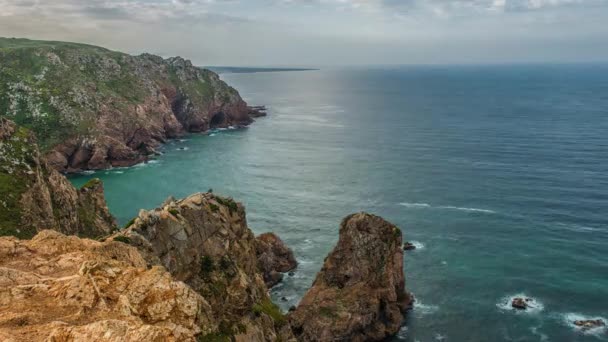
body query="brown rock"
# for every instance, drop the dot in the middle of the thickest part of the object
(37, 197)
(63, 288)
(521, 303)
(359, 294)
(274, 258)
(590, 324)
(204, 241)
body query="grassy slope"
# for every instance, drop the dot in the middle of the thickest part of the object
(56, 88)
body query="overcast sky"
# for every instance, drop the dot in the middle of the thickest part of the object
(324, 32)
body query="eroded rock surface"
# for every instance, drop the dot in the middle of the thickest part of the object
(204, 241)
(34, 197)
(274, 258)
(359, 294)
(63, 288)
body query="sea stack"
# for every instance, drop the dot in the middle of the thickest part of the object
(359, 294)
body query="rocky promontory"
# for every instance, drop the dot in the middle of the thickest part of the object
(34, 197)
(93, 108)
(359, 294)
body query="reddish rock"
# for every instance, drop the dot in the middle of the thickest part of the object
(274, 258)
(359, 294)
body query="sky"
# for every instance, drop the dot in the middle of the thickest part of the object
(324, 32)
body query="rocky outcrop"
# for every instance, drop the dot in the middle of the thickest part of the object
(204, 241)
(34, 197)
(274, 258)
(63, 288)
(93, 108)
(359, 294)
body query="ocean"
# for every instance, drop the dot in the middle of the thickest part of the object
(499, 174)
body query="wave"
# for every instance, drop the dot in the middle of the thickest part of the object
(419, 245)
(424, 309)
(446, 207)
(569, 318)
(534, 306)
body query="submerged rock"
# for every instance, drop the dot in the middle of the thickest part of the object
(359, 294)
(590, 323)
(274, 258)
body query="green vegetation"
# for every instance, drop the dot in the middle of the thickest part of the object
(122, 239)
(227, 202)
(214, 207)
(328, 312)
(130, 223)
(174, 212)
(207, 265)
(214, 337)
(56, 88)
(269, 308)
(92, 183)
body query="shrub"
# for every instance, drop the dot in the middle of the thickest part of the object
(122, 239)
(174, 212)
(269, 308)
(214, 207)
(130, 223)
(207, 265)
(227, 202)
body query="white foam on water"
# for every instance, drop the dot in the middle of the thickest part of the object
(440, 337)
(569, 318)
(424, 309)
(212, 134)
(415, 205)
(153, 161)
(88, 172)
(119, 172)
(474, 210)
(402, 333)
(419, 245)
(542, 336)
(534, 306)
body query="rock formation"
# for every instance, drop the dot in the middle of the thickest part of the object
(204, 241)
(34, 197)
(93, 108)
(359, 294)
(63, 288)
(274, 258)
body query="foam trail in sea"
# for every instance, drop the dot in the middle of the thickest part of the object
(534, 306)
(447, 207)
(419, 245)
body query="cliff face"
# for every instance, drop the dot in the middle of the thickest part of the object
(93, 108)
(359, 294)
(204, 241)
(34, 197)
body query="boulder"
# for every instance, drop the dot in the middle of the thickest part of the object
(359, 294)
(521, 303)
(408, 246)
(274, 258)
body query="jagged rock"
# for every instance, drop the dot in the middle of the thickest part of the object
(521, 303)
(106, 108)
(204, 241)
(408, 246)
(34, 197)
(274, 258)
(359, 294)
(63, 288)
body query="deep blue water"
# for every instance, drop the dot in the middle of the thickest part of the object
(500, 175)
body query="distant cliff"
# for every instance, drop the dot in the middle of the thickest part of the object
(92, 108)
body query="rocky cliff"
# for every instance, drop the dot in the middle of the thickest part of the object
(93, 108)
(359, 294)
(34, 197)
(204, 241)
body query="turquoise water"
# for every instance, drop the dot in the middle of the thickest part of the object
(499, 174)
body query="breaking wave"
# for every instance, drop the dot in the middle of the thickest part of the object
(446, 207)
